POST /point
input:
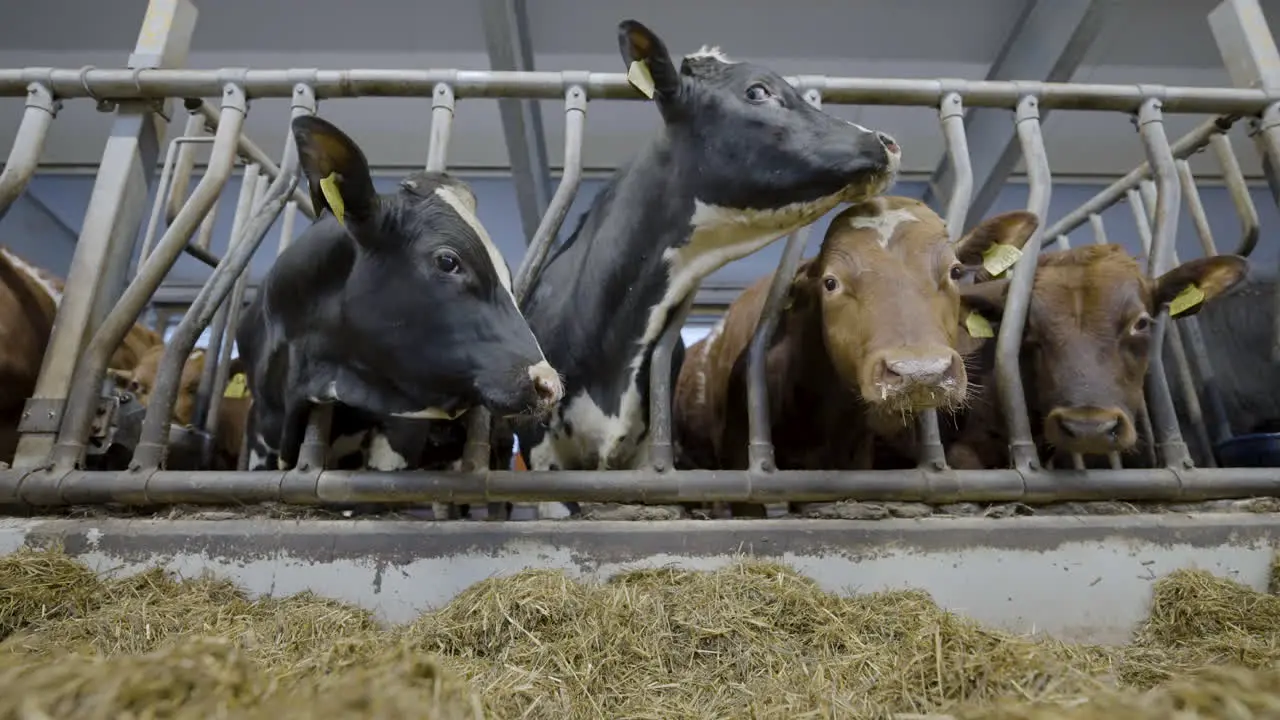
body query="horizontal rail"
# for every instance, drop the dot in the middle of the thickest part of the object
(139, 489)
(124, 84)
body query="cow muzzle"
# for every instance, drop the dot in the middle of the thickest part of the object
(904, 381)
(1089, 430)
(546, 385)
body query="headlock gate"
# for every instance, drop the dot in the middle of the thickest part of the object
(49, 467)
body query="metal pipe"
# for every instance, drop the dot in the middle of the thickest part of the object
(182, 169)
(218, 329)
(153, 444)
(1077, 460)
(1195, 207)
(1267, 129)
(1099, 230)
(1233, 176)
(661, 452)
(86, 381)
(121, 84)
(1022, 449)
(760, 441)
(250, 151)
(28, 143)
(951, 118)
(575, 122)
(1173, 451)
(1184, 147)
(1143, 224)
(166, 173)
(164, 487)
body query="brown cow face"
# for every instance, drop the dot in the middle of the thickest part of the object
(1087, 341)
(888, 283)
(142, 379)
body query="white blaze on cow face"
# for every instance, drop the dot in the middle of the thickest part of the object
(885, 224)
(711, 52)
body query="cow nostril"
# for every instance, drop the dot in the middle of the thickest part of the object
(889, 143)
(545, 389)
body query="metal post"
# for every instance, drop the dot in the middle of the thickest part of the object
(760, 442)
(85, 383)
(1022, 449)
(1173, 451)
(28, 143)
(110, 229)
(182, 169)
(1240, 195)
(661, 452)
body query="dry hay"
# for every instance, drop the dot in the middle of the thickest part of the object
(750, 640)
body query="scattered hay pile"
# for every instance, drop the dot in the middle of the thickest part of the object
(752, 640)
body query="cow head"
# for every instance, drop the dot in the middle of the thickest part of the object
(426, 305)
(1087, 340)
(142, 378)
(749, 144)
(888, 281)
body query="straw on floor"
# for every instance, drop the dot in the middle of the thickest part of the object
(751, 640)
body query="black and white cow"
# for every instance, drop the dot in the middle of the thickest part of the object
(391, 306)
(742, 160)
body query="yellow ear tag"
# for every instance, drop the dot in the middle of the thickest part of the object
(1190, 297)
(978, 326)
(329, 186)
(1000, 257)
(638, 75)
(237, 387)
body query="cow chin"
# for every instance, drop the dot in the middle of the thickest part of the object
(530, 392)
(906, 400)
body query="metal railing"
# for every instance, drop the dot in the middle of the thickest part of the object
(55, 478)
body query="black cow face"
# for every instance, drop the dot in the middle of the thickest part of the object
(750, 140)
(427, 313)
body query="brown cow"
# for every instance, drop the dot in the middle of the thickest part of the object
(869, 335)
(1085, 350)
(29, 298)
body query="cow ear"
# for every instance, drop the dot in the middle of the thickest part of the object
(1189, 286)
(985, 298)
(996, 243)
(336, 171)
(648, 64)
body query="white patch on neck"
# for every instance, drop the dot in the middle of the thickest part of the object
(35, 274)
(712, 52)
(382, 456)
(885, 224)
(431, 414)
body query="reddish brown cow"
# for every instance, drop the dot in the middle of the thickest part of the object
(1085, 350)
(869, 335)
(29, 298)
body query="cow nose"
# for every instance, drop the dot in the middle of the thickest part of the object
(546, 383)
(917, 371)
(889, 143)
(1088, 427)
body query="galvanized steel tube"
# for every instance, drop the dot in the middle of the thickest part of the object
(1022, 449)
(85, 383)
(166, 174)
(28, 143)
(760, 442)
(149, 83)
(250, 151)
(1173, 451)
(661, 453)
(182, 169)
(1241, 198)
(1268, 127)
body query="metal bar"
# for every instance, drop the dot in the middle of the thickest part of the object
(951, 118)
(1022, 449)
(1195, 207)
(575, 122)
(109, 233)
(760, 441)
(251, 152)
(166, 173)
(182, 169)
(661, 451)
(1268, 136)
(28, 143)
(506, 30)
(1047, 42)
(124, 84)
(636, 486)
(1099, 230)
(1077, 460)
(1173, 451)
(1184, 147)
(1142, 222)
(69, 447)
(1233, 176)
(153, 444)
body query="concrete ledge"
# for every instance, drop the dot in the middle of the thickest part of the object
(1076, 577)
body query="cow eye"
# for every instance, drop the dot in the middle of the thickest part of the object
(830, 283)
(758, 93)
(447, 262)
(957, 272)
(1141, 325)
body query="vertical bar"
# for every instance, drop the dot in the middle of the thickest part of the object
(28, 143)
(71, 437)
(1195, 206)
(112, 219)
(1099, 230)
(182, 167)
(1241, 198)
(1173, 451)
(760, 443)
(1077, 460)
(1022, 449)
(1142, 222)
(951, 117)
(661, 453)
